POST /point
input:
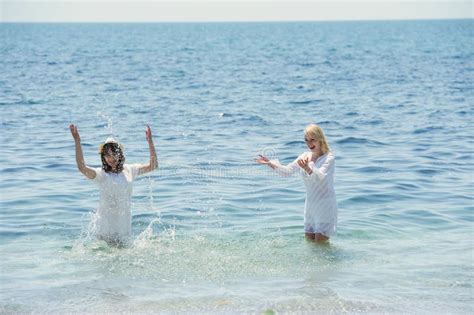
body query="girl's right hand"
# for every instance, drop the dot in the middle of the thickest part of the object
(74, 133)
(264, 160)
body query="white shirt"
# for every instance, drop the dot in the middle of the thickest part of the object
(114, 217)
(320, 206)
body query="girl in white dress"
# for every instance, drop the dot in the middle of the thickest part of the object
(113, 219)
(317, 170)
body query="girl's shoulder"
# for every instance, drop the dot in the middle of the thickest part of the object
(131, 166)
(100, 174)
(128, 168)
(132, 169)
(330, 158)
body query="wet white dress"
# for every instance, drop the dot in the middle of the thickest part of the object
(320, 211)
(113, 219)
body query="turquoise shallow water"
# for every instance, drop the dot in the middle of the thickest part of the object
(213, 231)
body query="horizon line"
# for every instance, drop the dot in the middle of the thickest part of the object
(243, 21)
(198, 11)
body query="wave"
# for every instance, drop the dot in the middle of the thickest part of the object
(19, 169)
(354, 140)
(427, 129)
(252, 120)
(375, 122)
(371, 198)
(352, 114)
(294, 143)
(428, 171)
(22, 102)
(306, 102)
(328, 122)
(372, 169)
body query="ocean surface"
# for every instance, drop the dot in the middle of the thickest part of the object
(212, 230)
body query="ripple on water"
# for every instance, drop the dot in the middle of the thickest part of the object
(372, 169)
(429, 129)
(348, 141)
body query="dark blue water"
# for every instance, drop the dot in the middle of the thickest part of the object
(213, 231)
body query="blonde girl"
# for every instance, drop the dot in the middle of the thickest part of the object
(317, 167)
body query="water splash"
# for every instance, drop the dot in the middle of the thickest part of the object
(87, 235)
(106, 117)
(147, 236)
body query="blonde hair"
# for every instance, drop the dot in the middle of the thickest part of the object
(317, 133)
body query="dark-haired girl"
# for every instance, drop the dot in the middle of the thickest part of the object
(113, 219)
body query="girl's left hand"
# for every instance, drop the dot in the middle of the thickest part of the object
(75, 133)
(149, 137)
(304, 164)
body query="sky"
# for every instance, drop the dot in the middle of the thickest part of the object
(230, 10)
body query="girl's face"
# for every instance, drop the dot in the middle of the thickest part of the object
(313, 144)
(111, 158)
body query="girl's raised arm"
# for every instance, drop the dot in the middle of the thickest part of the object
(81, 165)
(145, 168)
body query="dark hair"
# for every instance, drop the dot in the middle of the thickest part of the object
(117, 151)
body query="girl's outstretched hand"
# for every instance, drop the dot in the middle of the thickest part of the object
(74, 133)
(149, 137)
(264, 160)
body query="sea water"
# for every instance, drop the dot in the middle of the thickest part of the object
(212, 230)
